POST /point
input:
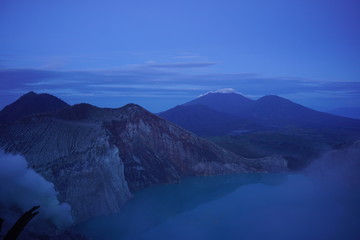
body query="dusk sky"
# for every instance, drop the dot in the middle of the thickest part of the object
(162, 53)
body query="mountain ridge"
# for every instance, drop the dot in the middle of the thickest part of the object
(284, 128)
(30, 103)
(103, 155)
(270, 110)
(223, 102)
(205, 121)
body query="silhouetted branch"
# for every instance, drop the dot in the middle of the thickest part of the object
(1, 222)
(14, 232)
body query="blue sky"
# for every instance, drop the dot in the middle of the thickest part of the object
(163, 53)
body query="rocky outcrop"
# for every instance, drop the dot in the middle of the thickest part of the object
(156, 151)
(31, 103)
(77, 157)
(97, 156)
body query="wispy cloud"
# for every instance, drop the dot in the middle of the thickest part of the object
(147, 86)
(189, 56)
(141, 79)
(166, 82)
(154, 67)
(182, 65)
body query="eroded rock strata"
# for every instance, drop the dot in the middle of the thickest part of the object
(96, 157)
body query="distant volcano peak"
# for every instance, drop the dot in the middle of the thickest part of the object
(31, 93)
(223, 90)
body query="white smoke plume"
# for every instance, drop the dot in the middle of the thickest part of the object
(22, 188)
(340, 166)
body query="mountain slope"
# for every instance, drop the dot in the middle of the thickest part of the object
(158, 151)
(31, 103)
(230, 103)
(96, 157)
(271, 111)
(76, 157)
(278, 126)
(205, 121)
(280, 112)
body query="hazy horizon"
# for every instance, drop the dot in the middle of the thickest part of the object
(349, 112)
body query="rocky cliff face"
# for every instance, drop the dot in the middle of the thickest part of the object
(96, 157)
(77, 157)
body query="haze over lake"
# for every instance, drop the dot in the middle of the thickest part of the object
(252, 206)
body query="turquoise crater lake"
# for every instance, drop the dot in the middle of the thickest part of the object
(247, 206)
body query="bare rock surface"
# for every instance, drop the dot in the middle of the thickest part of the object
(96, 157)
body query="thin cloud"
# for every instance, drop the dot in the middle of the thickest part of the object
(182, 65)
(154, 80)
(27, 79)
(188, 57)
(151, 86)
(350, 87)
(152, 67)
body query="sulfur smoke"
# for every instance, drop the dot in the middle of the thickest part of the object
(22, 188)
(338, 166)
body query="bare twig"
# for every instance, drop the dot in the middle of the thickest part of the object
(14, 232)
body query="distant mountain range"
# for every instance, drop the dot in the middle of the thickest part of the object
(205, 121)
(97, 157)
(230, 103)
(269, 125)
(227, 113)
